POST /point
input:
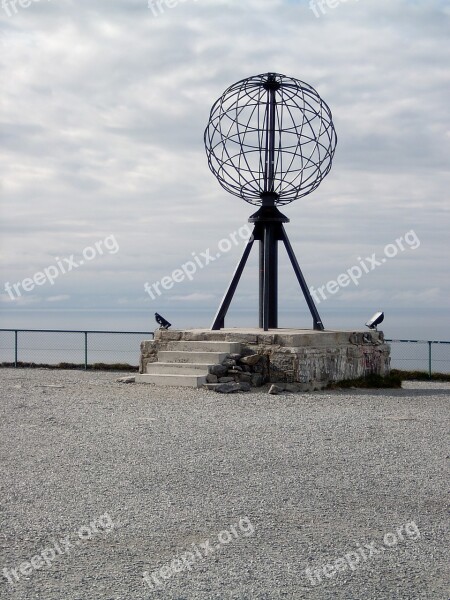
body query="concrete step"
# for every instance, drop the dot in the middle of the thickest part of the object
(178, 368)
(167, 380)
(182, 356)
(228, 347)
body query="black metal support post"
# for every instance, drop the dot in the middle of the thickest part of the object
(85, 350)
(268, 230)
(268, 293)
(430, 364)
(267, 221)
(15, 348)
(261, 276)
(267, 234)
(219, 319)
(317, 321)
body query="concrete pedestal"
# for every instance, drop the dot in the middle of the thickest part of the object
(310, 358)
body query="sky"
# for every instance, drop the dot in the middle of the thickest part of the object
(102, 113)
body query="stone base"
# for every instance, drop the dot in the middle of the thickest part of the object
(310, 358)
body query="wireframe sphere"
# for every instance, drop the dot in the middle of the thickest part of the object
(270, 136)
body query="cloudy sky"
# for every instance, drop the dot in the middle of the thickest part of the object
(103, 108)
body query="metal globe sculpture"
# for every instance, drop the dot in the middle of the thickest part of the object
(270, 134)
(270, 140)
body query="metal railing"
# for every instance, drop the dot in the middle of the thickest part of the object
(87, 347)
(432, 356)
(71, 347)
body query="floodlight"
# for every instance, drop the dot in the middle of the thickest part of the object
(377, 318)
(162, 321)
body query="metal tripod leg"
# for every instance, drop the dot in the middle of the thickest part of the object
(317, 322)
(219, 320)
(269, 304)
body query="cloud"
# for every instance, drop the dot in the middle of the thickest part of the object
(19, 301)
(103, 112)
(192, 298)
(60, 298)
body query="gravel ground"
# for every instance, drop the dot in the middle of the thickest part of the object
(220, 496)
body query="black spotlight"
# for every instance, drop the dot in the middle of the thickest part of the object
(162, 321)
(377, 318)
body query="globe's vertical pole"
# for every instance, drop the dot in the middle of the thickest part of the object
(261, 278)
(268, 273)
(268, 266)
(269, 155)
